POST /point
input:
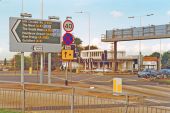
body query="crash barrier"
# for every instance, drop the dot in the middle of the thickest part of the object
(36, 98)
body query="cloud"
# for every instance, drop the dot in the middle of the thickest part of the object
(101, 45)
(83, 2)
(168, 13)
(1, 50)
(116, 14)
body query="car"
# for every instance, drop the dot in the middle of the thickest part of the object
(165, 73)
(102, 70)
(143, 74)
(5, 69)
(149, 73)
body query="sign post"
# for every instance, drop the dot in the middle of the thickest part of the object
(67, 54)
(34, 35)
(41, 69)
(66, 80)
(22, 67)
(49, 68)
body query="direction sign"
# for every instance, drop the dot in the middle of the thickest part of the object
(67, 55)
(68, 26)
(68, 38)
(26, 33)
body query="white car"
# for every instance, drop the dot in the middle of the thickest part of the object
(5, 69)
(102, 70)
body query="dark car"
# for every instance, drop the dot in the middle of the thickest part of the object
(148, 73)
(165, 73)
(143, 74)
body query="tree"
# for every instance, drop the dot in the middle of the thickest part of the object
(5, 62)
(78, 43)
(17, 60)
(36, 60)
(92, 47)
(166, 59)
(155, 54)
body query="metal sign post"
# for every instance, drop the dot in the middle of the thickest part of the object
(41, 69)
(68, 39)
(34, 35)
(66, 81)
(49, 68)
(22, 67)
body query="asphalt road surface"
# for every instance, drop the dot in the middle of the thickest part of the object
(154, 92)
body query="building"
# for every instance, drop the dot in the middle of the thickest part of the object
(93, 59)
(150, 63)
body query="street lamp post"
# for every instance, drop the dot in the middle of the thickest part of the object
(160, 59)
(88, 34)
(140, 19)
(42, 57)
(22, 6)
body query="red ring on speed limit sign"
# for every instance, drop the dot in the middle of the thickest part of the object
(68, 25)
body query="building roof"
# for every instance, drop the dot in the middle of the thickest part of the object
(150, 58)
(98, 50)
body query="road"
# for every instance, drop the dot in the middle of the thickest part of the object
(153, 91)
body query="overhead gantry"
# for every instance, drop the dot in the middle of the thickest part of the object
(136, 33)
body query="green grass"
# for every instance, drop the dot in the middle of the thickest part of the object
(164, 81)
(7, 111)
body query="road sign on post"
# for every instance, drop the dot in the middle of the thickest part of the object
(67, 55)
(34, 35)
(68, 38)
(68, 25)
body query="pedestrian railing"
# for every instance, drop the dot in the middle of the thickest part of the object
(36, 98)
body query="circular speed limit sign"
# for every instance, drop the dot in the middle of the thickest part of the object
(68, 26)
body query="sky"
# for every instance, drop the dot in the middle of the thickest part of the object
(104, 15)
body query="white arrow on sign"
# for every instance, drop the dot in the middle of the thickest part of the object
(14, 30)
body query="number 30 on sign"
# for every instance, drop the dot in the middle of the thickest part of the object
(68, 26)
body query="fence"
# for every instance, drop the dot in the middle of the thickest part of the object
(33, 98)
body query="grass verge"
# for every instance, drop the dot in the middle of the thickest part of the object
(163, 81)
(7, 111)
